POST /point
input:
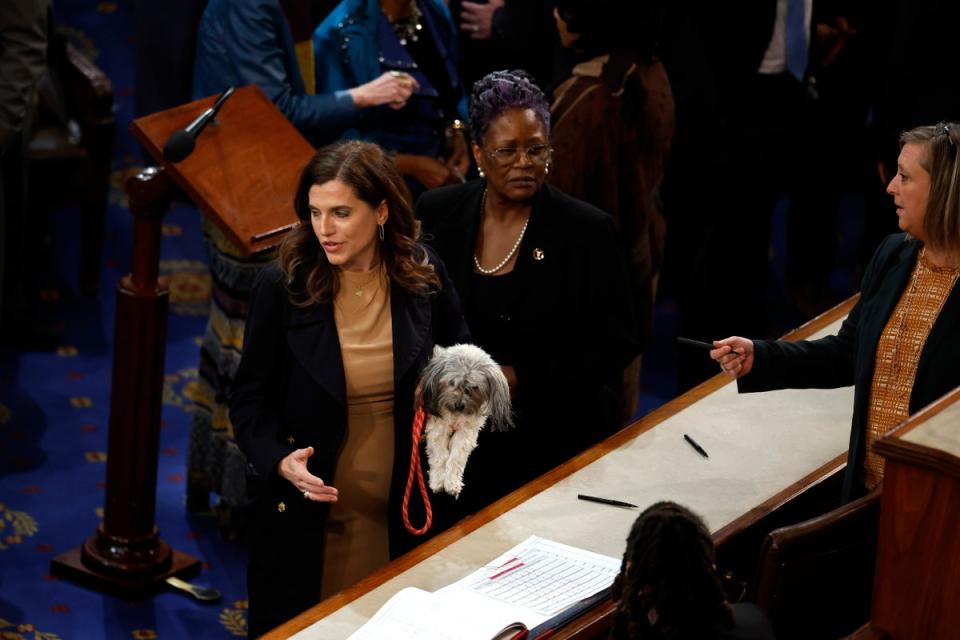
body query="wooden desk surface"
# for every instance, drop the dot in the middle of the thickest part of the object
(763, 448)
(244, 169)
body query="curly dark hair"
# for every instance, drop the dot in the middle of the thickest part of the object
(669, 567)
(609, 26)
(501, 90)
(374, 177)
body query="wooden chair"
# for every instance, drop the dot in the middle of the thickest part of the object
(815, 578)
(70, 150)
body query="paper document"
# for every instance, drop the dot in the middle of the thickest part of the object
(543, 576)
(524, 587)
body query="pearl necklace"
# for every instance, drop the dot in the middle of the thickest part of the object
(516, 245)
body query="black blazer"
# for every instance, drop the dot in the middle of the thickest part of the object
(289, 393)
(570, 319)
(848, 357)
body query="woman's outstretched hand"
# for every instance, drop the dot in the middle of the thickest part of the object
(734, 354)
(294, 468)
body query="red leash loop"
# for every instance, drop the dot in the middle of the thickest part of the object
(418, 419)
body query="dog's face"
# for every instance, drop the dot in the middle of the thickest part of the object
(464, 380)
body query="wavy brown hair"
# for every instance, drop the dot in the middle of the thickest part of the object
(941, 222)
(373, 176)
(669, 567)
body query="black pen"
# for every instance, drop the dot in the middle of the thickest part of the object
(706, 346)
(615, 503)
(693, 443)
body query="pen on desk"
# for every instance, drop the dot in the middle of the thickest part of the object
(615, 503)
(697, 447)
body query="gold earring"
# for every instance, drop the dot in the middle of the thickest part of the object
(380, 231)
(546, 169)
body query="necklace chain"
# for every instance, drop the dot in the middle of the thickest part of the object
(408, 28)
(513, 250)
(358, 289)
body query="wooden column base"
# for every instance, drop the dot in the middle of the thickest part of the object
(132, 586)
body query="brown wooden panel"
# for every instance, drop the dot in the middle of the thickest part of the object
(595, 623)
(244, 170)
(918, 557)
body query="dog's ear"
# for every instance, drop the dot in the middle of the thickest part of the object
(501, 410)
(437, 350)
(429, 378)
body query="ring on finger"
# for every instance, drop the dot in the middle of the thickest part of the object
(306, 494)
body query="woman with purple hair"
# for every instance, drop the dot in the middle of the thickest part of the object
(543, 286)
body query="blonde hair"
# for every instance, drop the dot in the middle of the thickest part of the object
(941, 159)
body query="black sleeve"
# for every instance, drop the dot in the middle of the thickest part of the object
(255, 395)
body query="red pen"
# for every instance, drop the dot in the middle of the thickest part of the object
(507, 570)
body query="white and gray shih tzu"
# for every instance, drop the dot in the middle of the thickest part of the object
(462, 388)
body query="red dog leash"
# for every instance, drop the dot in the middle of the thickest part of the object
(418, 419)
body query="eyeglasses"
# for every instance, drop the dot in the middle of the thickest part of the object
(506, 156)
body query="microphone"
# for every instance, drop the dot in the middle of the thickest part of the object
(181, 143)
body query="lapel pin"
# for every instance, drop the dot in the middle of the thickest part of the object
(538, 254)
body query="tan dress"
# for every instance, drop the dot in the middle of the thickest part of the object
(356, 530)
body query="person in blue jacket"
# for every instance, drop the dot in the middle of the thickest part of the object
(242, 42)
(362, 39)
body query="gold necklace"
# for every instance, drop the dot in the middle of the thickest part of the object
(358, 289)
(513, 250)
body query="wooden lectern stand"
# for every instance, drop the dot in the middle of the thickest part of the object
(242, 175)
(916, 587)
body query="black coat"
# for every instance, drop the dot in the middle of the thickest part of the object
(848, 357)
(569, 327)
(289, 393)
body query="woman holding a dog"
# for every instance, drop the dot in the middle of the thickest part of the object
(339, 328)
(543, 286)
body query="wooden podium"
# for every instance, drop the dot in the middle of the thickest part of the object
(916, 586)
(242, 175)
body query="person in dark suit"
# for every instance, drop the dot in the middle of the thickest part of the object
(544, 290)
(900, 344)
(668, 587)
(338, 331)
(23, 60)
